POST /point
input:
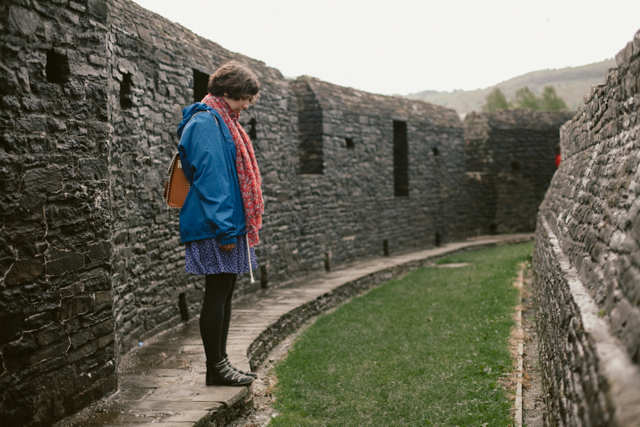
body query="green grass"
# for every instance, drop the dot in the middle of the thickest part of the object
(426, 350)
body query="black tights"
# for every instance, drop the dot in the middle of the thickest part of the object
(216, 315)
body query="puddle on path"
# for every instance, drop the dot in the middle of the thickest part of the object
(453, 265)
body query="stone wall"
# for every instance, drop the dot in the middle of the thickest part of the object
(351, 208)
(155, 68)
(56, 318)
(587, 259)
(510, 160)
(90, 261)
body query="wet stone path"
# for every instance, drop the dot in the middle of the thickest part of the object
(162, 383)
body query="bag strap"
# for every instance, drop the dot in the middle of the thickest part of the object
(206, 111)
(176, 156)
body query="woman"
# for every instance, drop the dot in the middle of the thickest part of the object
(222, 214)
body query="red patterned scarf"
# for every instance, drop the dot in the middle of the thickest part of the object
(246, 165)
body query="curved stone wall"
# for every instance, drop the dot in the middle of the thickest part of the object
(90, 261)
(587, 258)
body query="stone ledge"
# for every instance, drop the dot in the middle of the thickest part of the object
(612, 363)
(162, 382)
(361, 278)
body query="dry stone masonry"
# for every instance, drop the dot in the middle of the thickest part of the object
(587, 259)
(509, 166)
(90, 258)
(57, 341)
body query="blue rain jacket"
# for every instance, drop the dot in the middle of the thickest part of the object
(213, 207)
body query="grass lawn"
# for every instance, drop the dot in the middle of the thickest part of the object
(426, 350)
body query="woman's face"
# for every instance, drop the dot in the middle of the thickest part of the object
(238, 105)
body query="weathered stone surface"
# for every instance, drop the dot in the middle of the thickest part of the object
(91, 258)
(587, 260)
(510, 160)
(65, 264)
(43, 180)
(24, 271)
(55, 207)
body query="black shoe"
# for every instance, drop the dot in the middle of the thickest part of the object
(222, 374)
(238, 370)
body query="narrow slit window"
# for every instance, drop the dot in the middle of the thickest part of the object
(253, 133)
(400, 159)
(200, 83)
(126, 98)
(515, 166)
(264, 281)
(310, 131)
(327, 261)
(349, 143)
(57, 67)
(435, 151)
(184, 309)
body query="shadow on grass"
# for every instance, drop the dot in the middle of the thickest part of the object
(425, 350)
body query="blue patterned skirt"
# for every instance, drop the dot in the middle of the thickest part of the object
(205, 257)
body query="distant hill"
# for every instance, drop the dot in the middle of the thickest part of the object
(570, 83)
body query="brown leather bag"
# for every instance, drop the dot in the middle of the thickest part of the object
(177, 186)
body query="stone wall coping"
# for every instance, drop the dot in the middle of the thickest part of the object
(621, 374)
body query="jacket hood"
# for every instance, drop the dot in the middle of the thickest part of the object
(189, 112)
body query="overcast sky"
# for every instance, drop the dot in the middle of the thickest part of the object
(403, 46)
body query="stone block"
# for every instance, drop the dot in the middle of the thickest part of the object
(64, 264)
(102, 300)
(38, 321)
(105, 340)
(103, 328)
(624, 56)
(77, 6)
(32, 124)
(75, 306)
(11, 327)
(72, 290)
(98, 9)
(82, 352)
(49, 352)
(23, 21)
(18, 405)
(100, 250)
(20, 348)
(144, 34)
(81, 337)
(9, 81)
(24, 271)
(48, 180)
(52, 334)
(630, 284)
(95, 284)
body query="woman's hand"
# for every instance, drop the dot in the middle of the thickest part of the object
(228, 247)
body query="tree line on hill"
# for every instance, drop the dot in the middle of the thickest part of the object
(570, 84)
(525, 98)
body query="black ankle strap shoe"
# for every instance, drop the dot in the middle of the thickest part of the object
(238, 370)
(222, 374)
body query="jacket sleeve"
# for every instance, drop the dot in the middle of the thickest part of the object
(205, 164)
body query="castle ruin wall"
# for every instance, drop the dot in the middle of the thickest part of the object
(91, 264)
(510, 160)
(57, 342)
(587, 259)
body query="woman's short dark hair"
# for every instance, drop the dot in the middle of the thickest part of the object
(235, 81)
